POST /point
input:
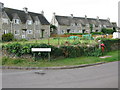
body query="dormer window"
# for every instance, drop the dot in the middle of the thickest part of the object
(36, 22)
(29, 22)
(16, 21)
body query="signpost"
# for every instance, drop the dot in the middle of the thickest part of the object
(42, 50)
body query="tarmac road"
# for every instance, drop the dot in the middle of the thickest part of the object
(99, 76)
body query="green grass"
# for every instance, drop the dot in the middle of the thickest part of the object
(54, 41)
(60, 62)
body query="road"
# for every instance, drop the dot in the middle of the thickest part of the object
(99, 76)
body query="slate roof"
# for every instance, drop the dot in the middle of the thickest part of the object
(23, 16)
(66, 20)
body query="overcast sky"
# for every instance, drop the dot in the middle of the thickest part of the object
(79, 8)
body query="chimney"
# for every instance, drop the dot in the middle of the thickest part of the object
(1, 6)
(71, 15)
(108, 19)
(25, 9)
(97, 17)
(42, 12)
(54, 14)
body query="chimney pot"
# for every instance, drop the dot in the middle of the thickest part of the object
(42, 12)
(25, 9)
(71, 15)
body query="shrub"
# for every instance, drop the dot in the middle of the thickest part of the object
(111, 44)
(107, 31)
(7, 37)
(97, 33)
(70, 51)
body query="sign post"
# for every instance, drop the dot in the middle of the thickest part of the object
(42, 50)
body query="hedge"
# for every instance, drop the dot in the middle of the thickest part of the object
(64, 51)
(111, 44)
(107, 31)
(75, 33)
(7, 37)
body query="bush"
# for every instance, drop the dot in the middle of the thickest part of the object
(111, 44)
(66, 51)
(75, 33)
(97, 33)
(70, 51)
(107, 31)
(7, 37)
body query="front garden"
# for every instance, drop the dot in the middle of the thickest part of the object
(75, 51)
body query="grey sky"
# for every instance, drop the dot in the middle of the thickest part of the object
(79, 8)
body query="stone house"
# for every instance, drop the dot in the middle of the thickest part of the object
(71, 24)
(23, 24)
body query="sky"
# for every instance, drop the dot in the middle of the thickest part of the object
(79, 8)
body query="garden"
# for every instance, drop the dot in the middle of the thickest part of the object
(68, 49)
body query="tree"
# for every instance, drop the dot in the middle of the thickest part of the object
(91, 28)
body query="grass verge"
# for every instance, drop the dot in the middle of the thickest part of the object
(60, 62)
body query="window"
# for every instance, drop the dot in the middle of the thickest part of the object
(87, 25)
(5, 31)
(16, 21)
(100, 25)
(29, 31)
(29, 22)
(104, 26)
(5, 20)
(68, 30)
(93, 25)
(72, 24)
(16, 32)
(97, 30)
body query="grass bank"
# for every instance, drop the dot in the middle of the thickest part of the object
(60, 62)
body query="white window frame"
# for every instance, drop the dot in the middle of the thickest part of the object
(5, 20)
(104, 26)
(18, 32)
(30, 31)
(16, 21)
(29, 22)
(87, 25)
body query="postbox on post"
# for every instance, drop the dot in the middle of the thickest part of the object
(102, 47)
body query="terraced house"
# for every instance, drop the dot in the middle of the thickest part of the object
(71, 24)
(23, 24)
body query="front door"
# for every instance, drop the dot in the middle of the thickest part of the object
(23, 35)
(42, 33)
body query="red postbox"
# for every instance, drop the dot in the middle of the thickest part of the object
(102, 47)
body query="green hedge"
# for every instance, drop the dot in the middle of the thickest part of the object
(97, 33)
(64, 51)
(75, 33)
(7, 37)
(111, 44)
(107, 31)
